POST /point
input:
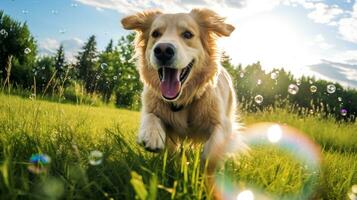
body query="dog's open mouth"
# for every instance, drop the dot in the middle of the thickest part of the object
(171, 80)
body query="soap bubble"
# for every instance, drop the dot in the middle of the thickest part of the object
(313, 89)
(272, 137)
(25, 12)
(274, 75)
(55, 12)
(339, 99)
(331, 88)
(27, 51)
(259, 82)
(97, 77)
(343, 112)
(115, 77)
(103, 65)
(293, 89)
(74, 5)
(258, 99)
(39, 163)
(4, 33)
(95, 157)
(241, 74)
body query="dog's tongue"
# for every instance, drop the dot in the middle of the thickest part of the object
(170, 84)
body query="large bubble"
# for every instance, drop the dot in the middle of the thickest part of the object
(297, 153)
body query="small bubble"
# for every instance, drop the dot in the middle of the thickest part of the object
(259, 82)
(55, 12)
(331, 88)
(298, 82)
(3, 32)
(311, 111)
(311, 82)
(274, 75)
(293, 89)
(241, 74)
(43, 68)
(313, 89)
(258, 99)
(27, 51)
(74, 5)
(62, 31)
(98, 77)
(343, 112)
(95, 157)
(103, 65)
(115, 77)
(339, 99)
(39, 163)
(25, 12)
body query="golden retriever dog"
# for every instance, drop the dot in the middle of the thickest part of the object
(187, 93)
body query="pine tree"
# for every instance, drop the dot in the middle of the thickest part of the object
(109, 48)
(60, 63)
(87, 64)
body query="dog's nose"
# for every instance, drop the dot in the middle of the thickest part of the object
(164, 53)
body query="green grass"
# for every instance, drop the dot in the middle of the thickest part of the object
(68, 133)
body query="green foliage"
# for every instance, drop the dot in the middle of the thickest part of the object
(87, 64)
(15, 40)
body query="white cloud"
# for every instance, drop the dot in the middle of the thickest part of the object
(320, 41)
(49, 46)
(324, 13)
(348, 26)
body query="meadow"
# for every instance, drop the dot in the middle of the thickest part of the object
(69, 133)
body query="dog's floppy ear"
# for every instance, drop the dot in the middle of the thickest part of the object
(140, 21)
(211, 21)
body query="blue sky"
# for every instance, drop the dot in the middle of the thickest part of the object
(313, 37)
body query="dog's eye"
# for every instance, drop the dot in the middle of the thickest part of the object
(155, 34)
(187, 35)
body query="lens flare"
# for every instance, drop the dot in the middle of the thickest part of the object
(294, 143)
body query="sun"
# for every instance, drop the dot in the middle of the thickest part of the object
(273, 41)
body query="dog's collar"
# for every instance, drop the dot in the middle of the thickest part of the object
(175, 108)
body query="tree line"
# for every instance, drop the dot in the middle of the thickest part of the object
(111, 75)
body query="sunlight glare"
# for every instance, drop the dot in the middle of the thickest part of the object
(274, 133)
(245, 195)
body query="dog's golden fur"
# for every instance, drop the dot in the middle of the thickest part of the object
(207, 96)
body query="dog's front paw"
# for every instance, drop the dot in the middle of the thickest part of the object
(152, 136)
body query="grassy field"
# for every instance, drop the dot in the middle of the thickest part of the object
(69, 133)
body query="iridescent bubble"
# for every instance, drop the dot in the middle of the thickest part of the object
(293, 89)
(27, 51)
(274, 75)
(245, 195)
(259, 82)
(331, 88)
(103, 65)
(343, 112)
(95, 157)
(313, 89)
(339, 99)
(298, 82)
(115, 77)
(302, 150)
(258, 99)
(39, 163)
(241, 74)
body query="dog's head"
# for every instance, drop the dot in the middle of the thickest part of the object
(177, 51)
